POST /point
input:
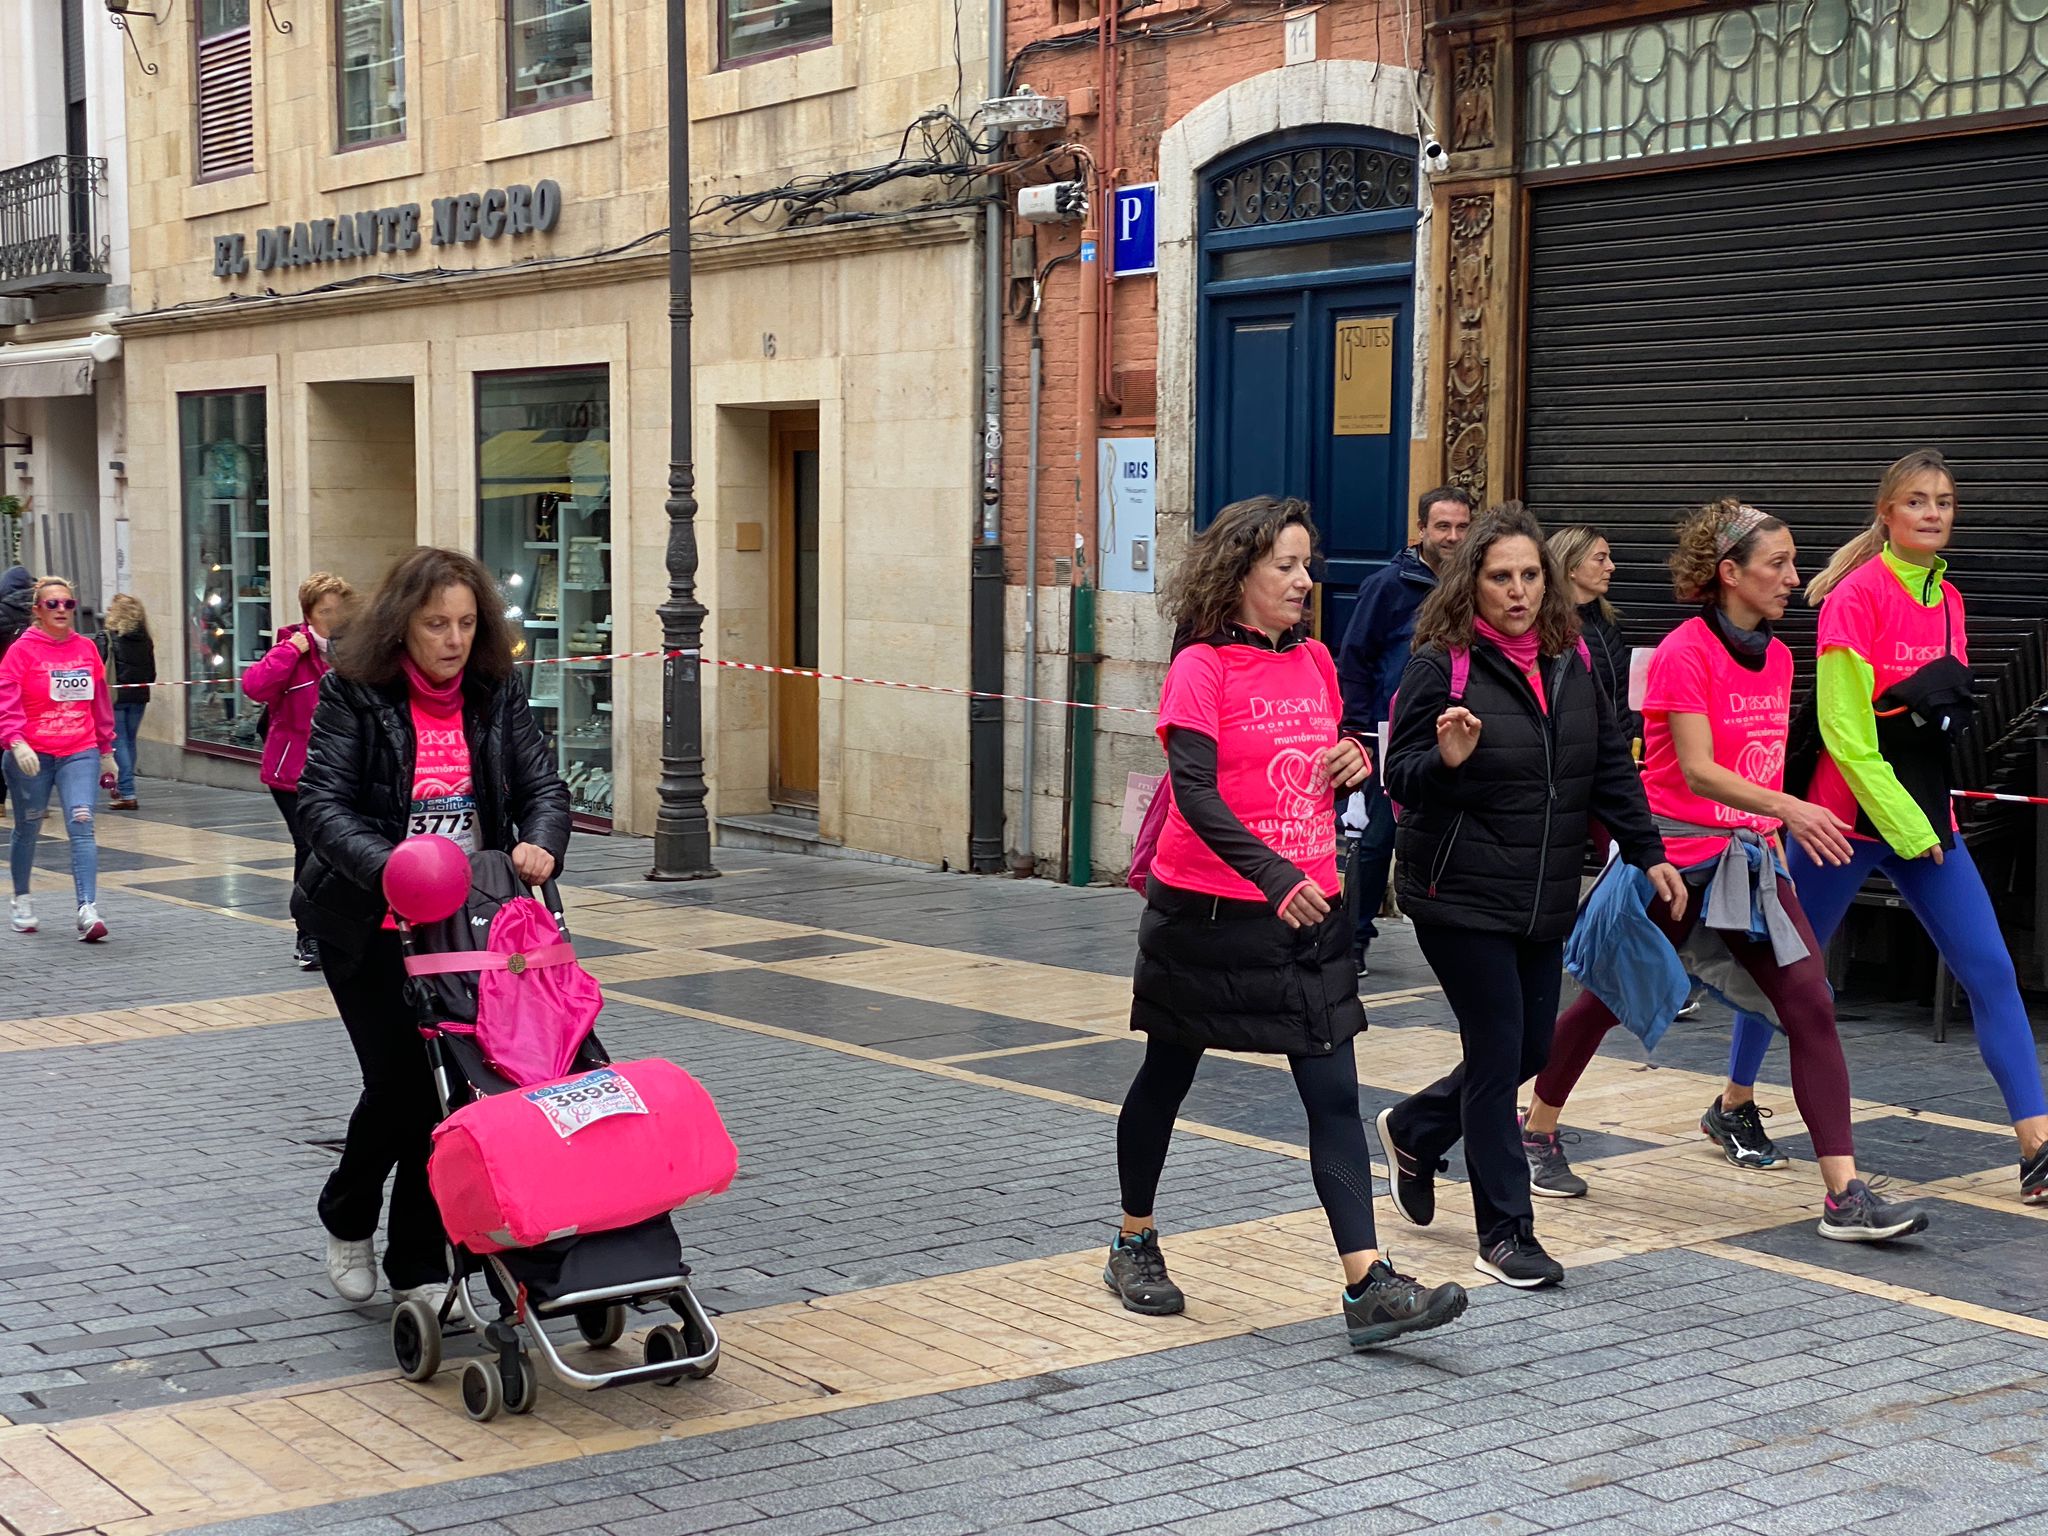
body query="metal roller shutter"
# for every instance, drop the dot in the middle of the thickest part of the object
(1781, 331)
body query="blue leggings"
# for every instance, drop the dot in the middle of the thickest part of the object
(1950, 900)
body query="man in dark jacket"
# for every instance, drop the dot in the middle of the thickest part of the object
(1369, 664)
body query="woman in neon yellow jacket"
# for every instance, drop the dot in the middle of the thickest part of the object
(1892, 687)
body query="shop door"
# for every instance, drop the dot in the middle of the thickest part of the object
(1307, 346)
(796, 609)
(1783, 330)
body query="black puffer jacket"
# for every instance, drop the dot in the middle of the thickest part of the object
(1497, 844)
(1609, 650)
(357, 786)
(131, 664)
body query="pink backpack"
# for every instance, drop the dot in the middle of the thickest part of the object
(534, 1004)
(1147, 845)
(1461, 673)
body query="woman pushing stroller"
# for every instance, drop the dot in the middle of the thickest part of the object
(421, 728)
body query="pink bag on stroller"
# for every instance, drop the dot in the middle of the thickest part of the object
(601, 1150)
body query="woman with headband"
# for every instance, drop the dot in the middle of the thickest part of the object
(1892, 689)
(1715, 713)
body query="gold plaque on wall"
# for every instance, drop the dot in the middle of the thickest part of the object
(1364, 391)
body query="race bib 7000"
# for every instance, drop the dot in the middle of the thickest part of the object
(73, 687)
(585, 1100)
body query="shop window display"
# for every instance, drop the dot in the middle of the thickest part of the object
(544, 479)
(226, 487)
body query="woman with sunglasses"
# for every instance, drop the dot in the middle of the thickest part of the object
(56, 718)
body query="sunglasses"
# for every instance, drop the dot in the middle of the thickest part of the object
(60, 604)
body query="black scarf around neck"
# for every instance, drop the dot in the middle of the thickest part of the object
(1749, 647)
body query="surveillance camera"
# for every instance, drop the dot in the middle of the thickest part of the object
(1434, 159)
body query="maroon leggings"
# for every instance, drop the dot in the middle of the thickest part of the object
(1799, 993)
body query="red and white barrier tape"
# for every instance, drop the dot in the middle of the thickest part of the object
(961, 693)
(757, 666)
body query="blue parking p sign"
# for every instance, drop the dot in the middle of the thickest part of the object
(1136, 235)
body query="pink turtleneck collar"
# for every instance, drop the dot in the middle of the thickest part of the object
(1524, 650)
(439, 697)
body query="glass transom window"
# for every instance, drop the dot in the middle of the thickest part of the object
(1788, 69)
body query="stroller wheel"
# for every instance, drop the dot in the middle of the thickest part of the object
(483, 1391)
(416, 1340)
(522, 1398)
(664, 1343)
(602, 1327)
(696, 1343)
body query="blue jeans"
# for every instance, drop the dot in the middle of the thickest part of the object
(1950, 900)
(127, 721)
(76, 779)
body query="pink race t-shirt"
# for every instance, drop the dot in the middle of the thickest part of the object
(1272, 715)
(1693, 674)
(443, 788)
(1872, 614)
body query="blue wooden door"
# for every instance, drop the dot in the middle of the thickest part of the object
(1298, 246)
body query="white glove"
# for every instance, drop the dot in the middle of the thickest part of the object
(26, 760)
(1354, 817)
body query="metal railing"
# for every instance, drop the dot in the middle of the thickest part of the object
(53, 225)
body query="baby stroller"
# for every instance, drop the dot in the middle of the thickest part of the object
(555, 1169)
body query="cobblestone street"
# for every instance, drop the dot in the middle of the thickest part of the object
(921, 1071)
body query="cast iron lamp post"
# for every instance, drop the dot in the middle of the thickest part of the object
(682, 826)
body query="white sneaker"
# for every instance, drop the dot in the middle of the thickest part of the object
(434, 1294)
(352, 1267)
(90, 929)
(23, 915)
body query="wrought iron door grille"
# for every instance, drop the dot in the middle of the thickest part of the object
(1312, 184)
(53, 224)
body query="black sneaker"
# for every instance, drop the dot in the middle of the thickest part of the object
(306, 954)
(1136, 1271)
(1860, 1215)
(2034, 1177)
(1550, 1171)
(1739, 1133)
(1411, 1183)
(1519, 1260)
(1388, 1305)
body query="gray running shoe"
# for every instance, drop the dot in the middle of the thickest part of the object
(1388, 1304)
(1136, 1271)
(1860, 1215)
(1550, 1171)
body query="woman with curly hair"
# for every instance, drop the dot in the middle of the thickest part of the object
(1503, 745)
(1715, 716)
(1244, 944)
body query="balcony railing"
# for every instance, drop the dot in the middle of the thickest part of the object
(53, 225)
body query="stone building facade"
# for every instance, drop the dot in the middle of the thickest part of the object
(401, 277)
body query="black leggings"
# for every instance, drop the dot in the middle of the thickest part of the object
(288, 807)
(1337, 1154)
(392, 1127)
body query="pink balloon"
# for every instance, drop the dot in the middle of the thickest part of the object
(426, 879)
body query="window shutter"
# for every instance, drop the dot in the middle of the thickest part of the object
(227, 130)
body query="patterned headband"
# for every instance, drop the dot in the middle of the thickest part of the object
(1745, 521)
